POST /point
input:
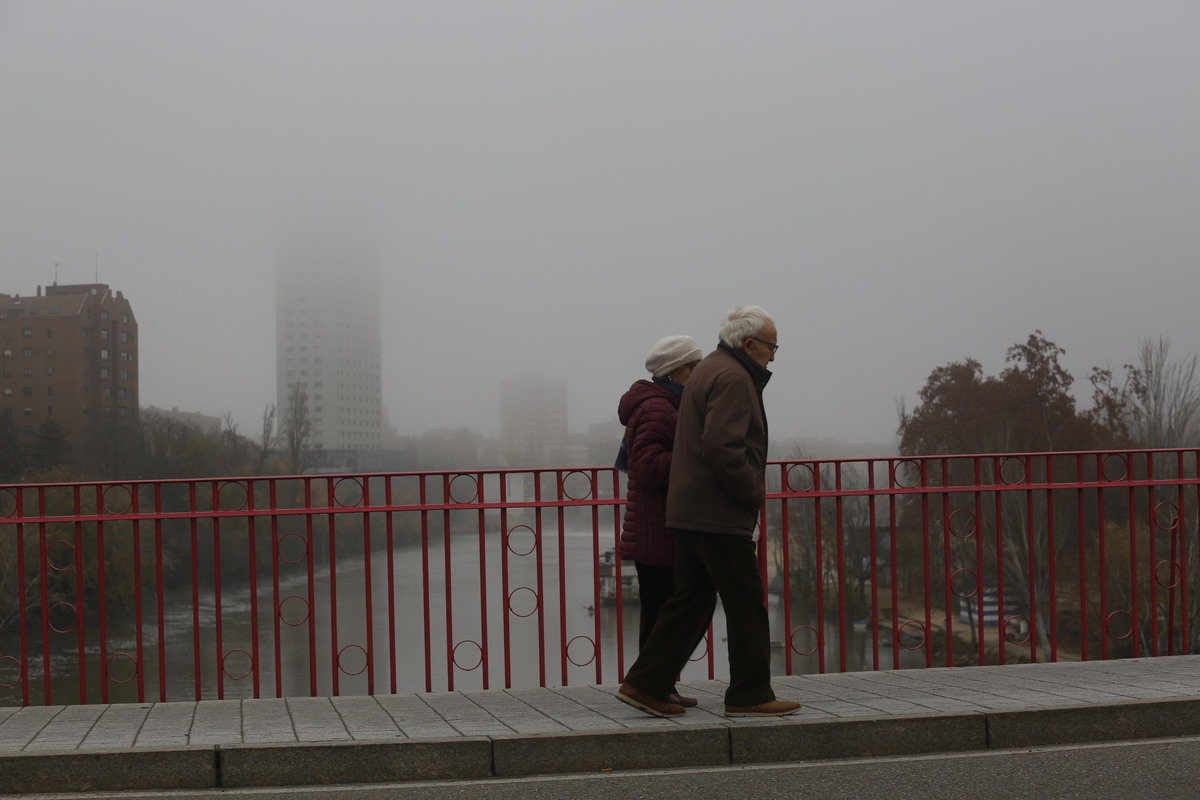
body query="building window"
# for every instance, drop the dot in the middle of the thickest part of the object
(104, 334)
(104, 315)
(8, 391)
(126, 355)
(49, 370)
(26, 333)
(27, 391)
(27, 352)
(125, 319)
(27, 372)
(104, 354)
(108, 391)
(8, 353)
(7, 335)
(103, 373)
(49, 333)
(124, 337)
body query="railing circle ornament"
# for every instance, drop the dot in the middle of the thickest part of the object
(591, 644)
(348, 492)
(8, 505)
(281, 611)
(1166, 516)
(799, 478)
(911, 641)
(463, 489)
(4, 660)
(1018, 637)
(1115, 615)
(1121, 460)
(55, 612)
(706, 639)
(962, 523)
(909, 466)
(479, 654)
(522, 530)
(577, 485)
(957, 579)
(117, 499)
(285, 548)
(352, 648)
(70, 549)
(233, 496)
(1014, 476)
(524, 591)
(116, 658)
(792, 640)
(225, 664)
(1174, 573)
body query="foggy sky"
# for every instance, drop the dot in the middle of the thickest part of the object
(557, 185)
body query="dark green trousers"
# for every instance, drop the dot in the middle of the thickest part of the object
(708, 565)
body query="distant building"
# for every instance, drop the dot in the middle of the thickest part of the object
(327, 334)
(533, 421)
(69, 354)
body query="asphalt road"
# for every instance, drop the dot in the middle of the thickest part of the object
(1158, 768)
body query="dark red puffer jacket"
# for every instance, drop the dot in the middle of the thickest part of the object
(648, 411)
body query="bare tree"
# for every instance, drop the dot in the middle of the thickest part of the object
(295, 429)
(1166, 396)
(266, 439)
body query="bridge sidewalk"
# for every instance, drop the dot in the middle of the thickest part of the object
(391, 738)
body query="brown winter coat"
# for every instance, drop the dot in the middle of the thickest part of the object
(718, 469)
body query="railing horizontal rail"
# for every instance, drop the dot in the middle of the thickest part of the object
(384, 582)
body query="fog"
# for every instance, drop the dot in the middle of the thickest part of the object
(556, 185)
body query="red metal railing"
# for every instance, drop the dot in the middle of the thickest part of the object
(353, 584)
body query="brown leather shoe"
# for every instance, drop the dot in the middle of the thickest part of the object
(644, 701)
(775, 708)
(680, 700)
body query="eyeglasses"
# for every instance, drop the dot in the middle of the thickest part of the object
(770, 345)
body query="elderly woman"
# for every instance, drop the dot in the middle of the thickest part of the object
(648, 411)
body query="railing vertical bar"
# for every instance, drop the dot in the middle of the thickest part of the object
(276, 598)
(335, 656)
(193, 528)
(1002, 617)
(159, 589)
(44, 598)
(541, 583)
(368, 587)
(1081, 528)
(872, 524)
(390, 535)
(255, 654)
(310, 561)
(139, 636)
(448, 575)
(819, 568)
(840, 541)
(947, 565)
(562, 574)
(425, 583)
(484, 659)
(214, 505)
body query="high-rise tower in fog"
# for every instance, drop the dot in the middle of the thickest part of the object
(327, 337)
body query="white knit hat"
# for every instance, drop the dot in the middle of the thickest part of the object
(671, 353)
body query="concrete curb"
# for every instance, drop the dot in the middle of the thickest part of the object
(481, 757)
(353, 762)
(108, 770)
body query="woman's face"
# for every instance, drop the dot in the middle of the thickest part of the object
(682, 374)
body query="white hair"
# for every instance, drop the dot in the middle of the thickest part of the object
(743, 323)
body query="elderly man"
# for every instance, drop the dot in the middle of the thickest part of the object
(716, 490)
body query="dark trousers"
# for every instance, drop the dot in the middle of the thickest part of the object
(656, 584)
(708, 565)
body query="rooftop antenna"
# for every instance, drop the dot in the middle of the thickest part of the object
(56, 273)
(97, 272)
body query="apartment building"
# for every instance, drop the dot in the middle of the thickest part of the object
(69, 353)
